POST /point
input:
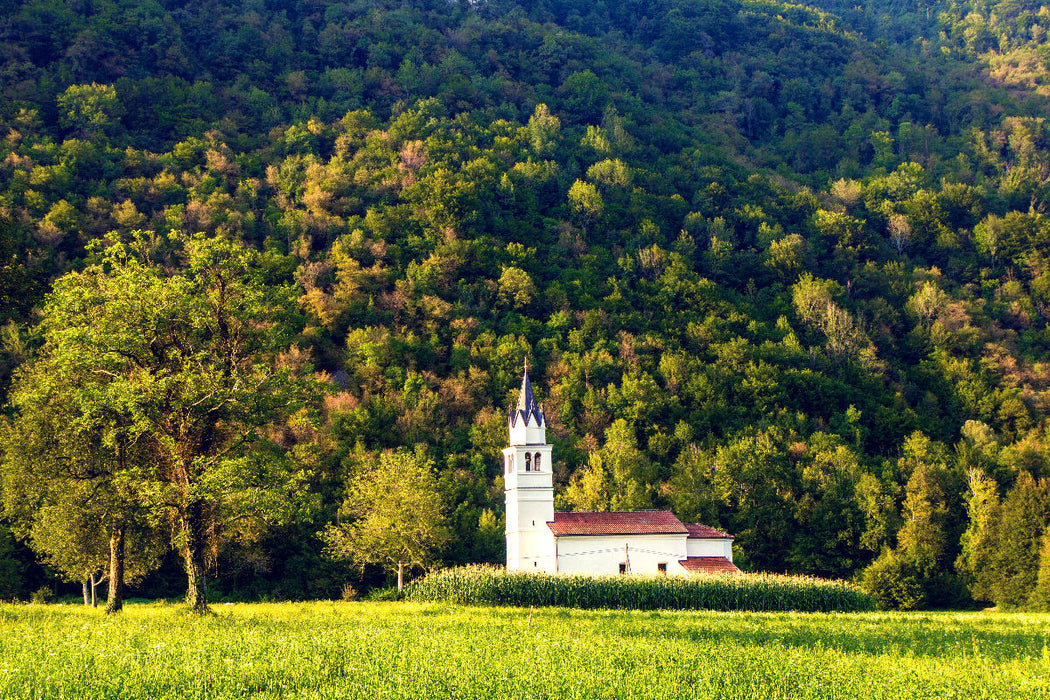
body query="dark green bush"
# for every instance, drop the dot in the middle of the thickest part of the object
(894, 583)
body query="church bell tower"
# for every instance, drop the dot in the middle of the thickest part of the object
(528, 486)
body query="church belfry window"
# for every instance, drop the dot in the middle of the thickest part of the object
(528, 462)
(536, 463)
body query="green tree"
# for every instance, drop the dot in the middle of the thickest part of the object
(927, 543)
(758, 486)
(619, 476)
(586, 202)
(89, 109)
(988, 236)
(787, 256)
(516, 289)
(830, 522)
(12, 571)
(64, 458)
(980, 540)
(929, 537)
(394, 515)
(894, 582)
(544, 129)
(1023, 522)
(926, 537)
(88, 536)
(184, 357)
(1039, 599)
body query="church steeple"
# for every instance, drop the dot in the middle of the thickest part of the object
(528, 485)
(528, 410)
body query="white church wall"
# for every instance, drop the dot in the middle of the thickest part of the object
(527, 434)
(534, 551)
(722, 547)
(601, 555)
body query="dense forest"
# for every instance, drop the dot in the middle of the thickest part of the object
(782, 269)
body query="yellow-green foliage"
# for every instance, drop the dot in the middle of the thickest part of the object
(481, 585)
(408, 650)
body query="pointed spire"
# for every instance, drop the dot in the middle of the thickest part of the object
(527, 406)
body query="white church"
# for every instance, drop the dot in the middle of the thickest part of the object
(636, 542)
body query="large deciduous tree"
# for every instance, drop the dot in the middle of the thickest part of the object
(394, 518)
(184, 360)
(65, 456)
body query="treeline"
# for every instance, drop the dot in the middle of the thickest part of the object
(770, 275)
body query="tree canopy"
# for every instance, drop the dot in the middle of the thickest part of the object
(175, 370)
(392, 515)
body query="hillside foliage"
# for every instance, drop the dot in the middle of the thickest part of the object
(783, 271)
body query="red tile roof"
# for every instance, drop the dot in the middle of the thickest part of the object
(709, 565)
(703, 532)
(639, 522)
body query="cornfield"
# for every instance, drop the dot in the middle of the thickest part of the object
(479, 585)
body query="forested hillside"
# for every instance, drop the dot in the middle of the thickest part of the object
(783, 270)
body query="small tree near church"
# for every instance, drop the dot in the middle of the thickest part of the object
(393, 516)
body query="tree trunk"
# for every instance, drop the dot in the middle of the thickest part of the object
(87, 593)
(194, 543)
(94, 590)
(115, 600)
(400, 578)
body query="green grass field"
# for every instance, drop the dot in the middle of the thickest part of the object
(407, 650)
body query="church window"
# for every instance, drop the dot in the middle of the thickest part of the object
(536, 464)
(623, 568)
(528, 462)
(662, 568)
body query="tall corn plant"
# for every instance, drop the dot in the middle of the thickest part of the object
(478, 585)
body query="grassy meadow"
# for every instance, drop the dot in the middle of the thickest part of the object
(411, 650)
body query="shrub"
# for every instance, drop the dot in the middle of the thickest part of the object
(42, 595)
(893, 583)
(480, 585)
(383, 594)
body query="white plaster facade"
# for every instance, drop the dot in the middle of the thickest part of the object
(709, 547)
(609, 555)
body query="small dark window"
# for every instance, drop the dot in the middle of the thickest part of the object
(528, 462)
(662, 568)
(623, 568)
